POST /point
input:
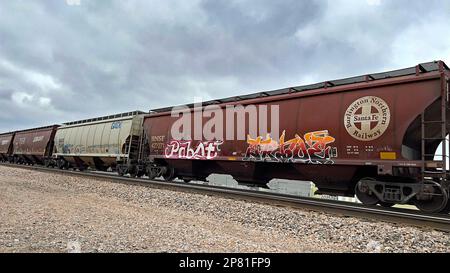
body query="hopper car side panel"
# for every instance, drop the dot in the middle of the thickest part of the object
(6, 142)
(98, 144)
(35, 145)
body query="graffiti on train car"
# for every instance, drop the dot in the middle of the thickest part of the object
(38, 139)
(188, 150)
(92, 149)
(313, 148)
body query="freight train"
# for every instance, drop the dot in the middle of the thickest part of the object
(375, 136)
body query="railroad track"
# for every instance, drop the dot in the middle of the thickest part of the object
(392, 215)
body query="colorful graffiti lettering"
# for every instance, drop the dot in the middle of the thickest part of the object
(312, 148)
(187, 150)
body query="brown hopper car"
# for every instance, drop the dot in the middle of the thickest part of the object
(34, 145)
(374, 135)
(6, 146)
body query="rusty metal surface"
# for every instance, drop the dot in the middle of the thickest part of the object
(34, 141)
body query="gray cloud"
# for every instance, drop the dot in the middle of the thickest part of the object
(60, 62)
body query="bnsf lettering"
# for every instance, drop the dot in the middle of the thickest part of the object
(158, 138)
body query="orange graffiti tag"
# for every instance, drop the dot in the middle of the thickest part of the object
(313, 147)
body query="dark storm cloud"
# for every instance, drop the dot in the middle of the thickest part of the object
(60, 62)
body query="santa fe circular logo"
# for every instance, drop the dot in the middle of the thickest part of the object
(367, 118)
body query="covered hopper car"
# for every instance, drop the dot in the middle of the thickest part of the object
(375, 136)
(6, 141)
(33, 146)
(99, 143)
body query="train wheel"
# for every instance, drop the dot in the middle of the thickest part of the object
(151, 173)
(364, 194)
(120, 171)
(61, 164)
(169, 174)
(446, 210)
(432, 199)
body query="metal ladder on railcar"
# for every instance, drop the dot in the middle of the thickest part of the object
(134, 144)
(436, 169)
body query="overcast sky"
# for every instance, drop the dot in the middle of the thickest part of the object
(62, 60)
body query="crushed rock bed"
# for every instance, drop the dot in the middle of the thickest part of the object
(44, 212)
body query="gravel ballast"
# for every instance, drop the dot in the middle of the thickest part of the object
(46, 212)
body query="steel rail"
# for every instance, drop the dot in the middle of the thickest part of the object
(341, 208)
